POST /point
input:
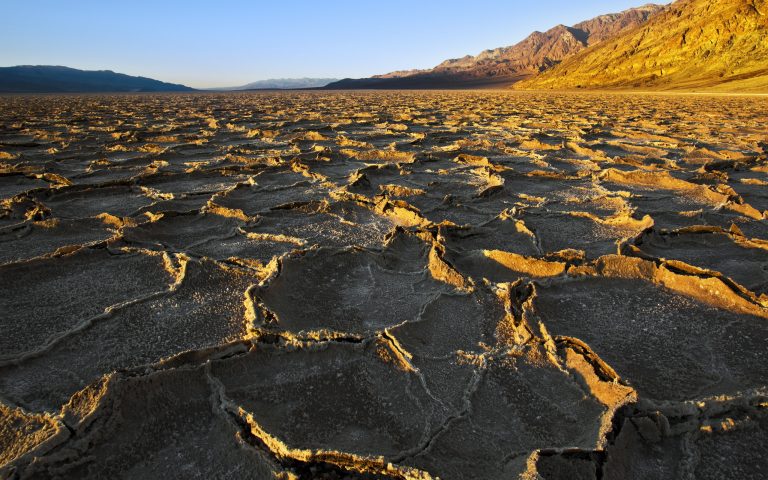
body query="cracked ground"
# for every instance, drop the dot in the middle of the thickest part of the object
(381, 285)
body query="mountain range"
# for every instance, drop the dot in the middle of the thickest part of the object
(56, 79)
(502, 66)
(692, 44)
(708, 45)
(704, 45)
(283, 84)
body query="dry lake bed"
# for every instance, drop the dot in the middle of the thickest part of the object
(450, 285)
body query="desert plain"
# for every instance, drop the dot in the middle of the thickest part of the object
(384, 284)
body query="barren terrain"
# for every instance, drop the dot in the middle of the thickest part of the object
(691, 45)
(384, 285)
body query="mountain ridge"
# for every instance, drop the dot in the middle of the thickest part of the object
(61, 79)
(282, 83)
(537, 52)
(693, 44)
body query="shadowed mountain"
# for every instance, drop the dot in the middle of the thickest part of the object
(282, 84)
(502, 66)
(694, 44)
(56, 79)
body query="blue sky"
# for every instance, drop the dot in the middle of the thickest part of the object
(225, 43)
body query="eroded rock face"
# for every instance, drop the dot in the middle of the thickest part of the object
(534, 54)
(690, 44)
(383, 285)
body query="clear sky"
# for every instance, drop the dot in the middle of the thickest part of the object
(209, 43)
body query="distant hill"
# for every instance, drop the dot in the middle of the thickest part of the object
(55, 79)
(283, 84)
(693, 44)
(505, 65)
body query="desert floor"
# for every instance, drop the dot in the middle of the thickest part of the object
(384, 285)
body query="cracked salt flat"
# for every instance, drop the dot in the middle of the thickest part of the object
(382, 285)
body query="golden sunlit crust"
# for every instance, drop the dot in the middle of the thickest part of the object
(409, 285)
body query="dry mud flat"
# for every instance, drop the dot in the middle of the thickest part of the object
(383, 285)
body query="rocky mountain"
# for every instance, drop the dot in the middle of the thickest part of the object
(56, 79)
(692, 44)
(538, 52)
(283, 84)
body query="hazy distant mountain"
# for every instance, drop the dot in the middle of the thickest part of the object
(538, 52)
(721, 45)
(283, 83)
(55, 79)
